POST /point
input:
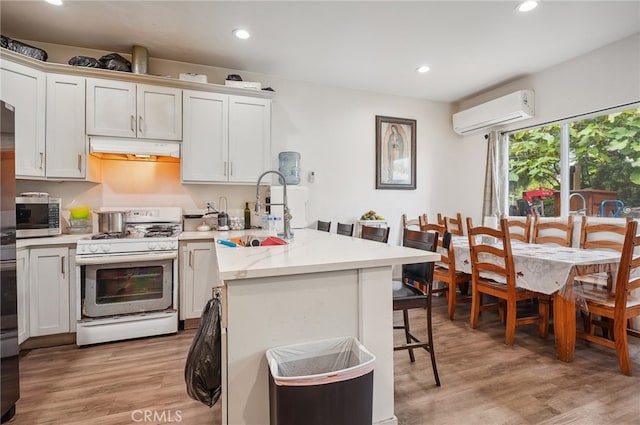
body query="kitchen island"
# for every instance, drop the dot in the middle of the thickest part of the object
(321, 285)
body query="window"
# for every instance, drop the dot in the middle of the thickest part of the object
(591, 164)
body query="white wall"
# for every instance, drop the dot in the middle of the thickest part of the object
(334, 131)
(605, 78)
(332, 128)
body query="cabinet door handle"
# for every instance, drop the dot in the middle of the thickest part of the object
(62, 265)
(133, 124)
(225, 168)
(230, 168)
(140, 127)
(190, 255)
(80, 162)
(41, 160)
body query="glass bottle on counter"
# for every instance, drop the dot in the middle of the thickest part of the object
(247, 216)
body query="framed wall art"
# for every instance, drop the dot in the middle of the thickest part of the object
(395, 153)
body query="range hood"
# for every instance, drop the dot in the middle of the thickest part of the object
(123, 148)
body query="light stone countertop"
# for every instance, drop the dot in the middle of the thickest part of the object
(310, 251)
(50, 240)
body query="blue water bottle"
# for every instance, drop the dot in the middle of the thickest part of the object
(290, 166)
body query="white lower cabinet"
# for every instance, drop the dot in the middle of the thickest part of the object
(197, 277)
(22, 274)
(49, 291)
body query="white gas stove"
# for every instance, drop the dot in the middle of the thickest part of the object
(127, 284)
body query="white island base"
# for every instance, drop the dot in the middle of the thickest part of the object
(320, 286)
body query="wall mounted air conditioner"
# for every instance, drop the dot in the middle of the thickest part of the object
(506, 109)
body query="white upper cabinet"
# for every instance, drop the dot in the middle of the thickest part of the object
(227, 138)
(249, 138)
(24, 88)
(123, 109)
(205, 144)
(66, 154)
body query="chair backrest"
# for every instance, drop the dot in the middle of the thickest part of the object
(345, 229)
(324, 226)
(553, 230)
(519, 228)
(446, 253)
(628, 279)
(455, 226)
(599, 235)
(420, 272)
(413, 223)
(378, 234)
(490, 252)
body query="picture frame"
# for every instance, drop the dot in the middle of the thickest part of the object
(395, 153)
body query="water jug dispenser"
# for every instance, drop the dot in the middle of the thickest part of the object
(290, 166)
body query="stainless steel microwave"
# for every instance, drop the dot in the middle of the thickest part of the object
(37, 216)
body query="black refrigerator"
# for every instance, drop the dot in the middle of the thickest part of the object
(10, 384)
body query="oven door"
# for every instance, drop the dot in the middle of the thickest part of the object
(127, 287)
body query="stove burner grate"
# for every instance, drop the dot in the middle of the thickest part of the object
(162, 233)
(110, 235)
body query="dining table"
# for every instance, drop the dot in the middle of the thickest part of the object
(550, 269)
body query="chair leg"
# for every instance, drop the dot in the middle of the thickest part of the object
(510, 332)
(621, 344)
(430, 334)
(405, 318)
(451, 294)
(476, 297)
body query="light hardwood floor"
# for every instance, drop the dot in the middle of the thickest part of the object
(483, 381)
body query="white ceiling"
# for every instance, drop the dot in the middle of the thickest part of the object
(376, 46)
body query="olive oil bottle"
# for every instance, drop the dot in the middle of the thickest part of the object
(247, 216)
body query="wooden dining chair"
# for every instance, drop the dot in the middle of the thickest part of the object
(345, 229)
(455, 226)
(413, 223)
(324, 226)
(519, 228)
(490, 253)
(553, 230)
(407, 297)
(445, 270)
(619, 305)
(378, 234)
(598, 234)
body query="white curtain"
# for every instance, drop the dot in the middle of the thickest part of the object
(495, 181)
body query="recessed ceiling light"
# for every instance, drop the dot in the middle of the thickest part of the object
(241, 34)
(422, 69)
(527, 6)
(54, 2)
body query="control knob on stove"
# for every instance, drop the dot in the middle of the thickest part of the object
(105, 247)
(164, 245)
(152, 246)
(93, 248)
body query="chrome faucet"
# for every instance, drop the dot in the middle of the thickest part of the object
(287, 216)
(582, 211)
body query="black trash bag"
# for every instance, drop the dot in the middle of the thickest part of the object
(115, 62)
(85, 61)
(22, 48)
(203, 371)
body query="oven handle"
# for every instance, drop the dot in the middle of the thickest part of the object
(127, 258)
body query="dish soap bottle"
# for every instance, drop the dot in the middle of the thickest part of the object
(247, 216)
